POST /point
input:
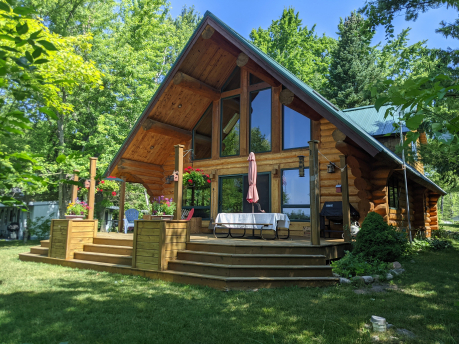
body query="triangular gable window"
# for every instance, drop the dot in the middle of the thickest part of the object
(253, 80)
(233, 82)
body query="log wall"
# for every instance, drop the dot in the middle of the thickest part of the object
(69, 236)
(157, 242)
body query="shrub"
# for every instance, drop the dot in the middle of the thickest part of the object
(40, 227)
(356, 265)
(378, 241)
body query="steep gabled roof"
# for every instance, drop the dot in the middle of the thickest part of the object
(341, 119)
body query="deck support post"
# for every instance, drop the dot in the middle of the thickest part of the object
(314, 192)
(179, 167)
(121, 208)
(74, 187)
(92, 187)
(345, 199)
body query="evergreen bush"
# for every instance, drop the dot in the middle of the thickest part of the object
(378, 241)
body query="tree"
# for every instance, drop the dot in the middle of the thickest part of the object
(353, 67)
(297, 48)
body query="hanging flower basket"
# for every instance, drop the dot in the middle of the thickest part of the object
(195, 178)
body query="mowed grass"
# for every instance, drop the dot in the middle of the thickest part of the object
(42, 303)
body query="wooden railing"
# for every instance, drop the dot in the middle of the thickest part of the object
(69, 236)
(157, 242)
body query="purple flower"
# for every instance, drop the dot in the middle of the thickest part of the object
(81, 213)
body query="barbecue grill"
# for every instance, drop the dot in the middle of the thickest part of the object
(332, 211)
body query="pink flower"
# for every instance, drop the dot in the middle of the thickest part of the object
(102, 182)
(114, 193)
(208, 181)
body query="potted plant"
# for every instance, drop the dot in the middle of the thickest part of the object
(163, 208)
(77, 210)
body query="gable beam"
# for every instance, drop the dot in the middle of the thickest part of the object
(243, 60)
(209, 33)
(289, 99)
(166, 129)
(196, 86)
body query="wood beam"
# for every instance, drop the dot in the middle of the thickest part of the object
(289, 99)
(164, 129)
(243, 60)
(202, 138)
(349, 150)
(140, 164)
(196, 86)
(92, 187)
(345, 199)
(215, 151)
(121, 208)
(179, 167)
(139, 171)
(314, 192)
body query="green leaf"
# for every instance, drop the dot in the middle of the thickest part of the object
(40, 61)
(37, 52)
(3, 71)
(21, 43)
(4, 7)
(60, 159)
(35, 34)
(4, 47)
(379, 102)
(12, 130)
(29, 57)
(22, 61)
(414, 122)
(7, 37)
(18, 95)
(436, 126)
(22, 29)
(47, 45)
(23, 10)
(48, 111)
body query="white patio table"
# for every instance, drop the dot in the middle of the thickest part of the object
(259, 221)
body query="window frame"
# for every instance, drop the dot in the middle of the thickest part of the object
(219, 188)
(293, 205)
(221, 128)
(193, 134)
(271, 115)
(393, 202)
(235, 70)
(282, 131)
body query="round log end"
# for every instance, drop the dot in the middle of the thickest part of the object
(242, 60)
(178, 78)
(337, 135)
(286, 97)
(207, 32)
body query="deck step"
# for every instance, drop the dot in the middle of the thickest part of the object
(251, 259)
(45, 243)
(113, 241)
(227, 270)
(104, 257)
(264, 248)
(113, 249)
(39, 250)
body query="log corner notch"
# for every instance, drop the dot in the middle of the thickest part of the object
(243, 61)
(196, 86)
(289, 99)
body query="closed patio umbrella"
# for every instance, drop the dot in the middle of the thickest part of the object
(253, 195)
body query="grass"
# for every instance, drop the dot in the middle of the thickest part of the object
(42, 303)
(449, 227)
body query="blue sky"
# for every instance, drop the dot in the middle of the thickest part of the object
(243, 16)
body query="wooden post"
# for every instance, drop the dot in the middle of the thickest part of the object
(179, 167)
(345, 199)
(74, 187)
(244, 114)
(92, 187)
(314, 192)
(121, 208)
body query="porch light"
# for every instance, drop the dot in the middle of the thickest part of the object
(301, 166)
(338, 188)
(169, 179)
(330, 168)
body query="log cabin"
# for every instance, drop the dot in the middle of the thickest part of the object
(222, 99)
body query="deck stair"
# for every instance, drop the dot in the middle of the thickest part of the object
(222, 266)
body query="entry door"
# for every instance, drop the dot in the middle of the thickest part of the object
(233, 191)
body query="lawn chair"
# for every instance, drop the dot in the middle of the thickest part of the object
(187, 214)
(130, 216)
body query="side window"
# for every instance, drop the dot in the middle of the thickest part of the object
(296, 129)
(393, 193)
(230, 127)
(260, 111)
(295, 195)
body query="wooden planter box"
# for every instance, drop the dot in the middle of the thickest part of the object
(69, 236)
(157, 242)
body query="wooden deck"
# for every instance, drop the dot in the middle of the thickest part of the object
(228, 263)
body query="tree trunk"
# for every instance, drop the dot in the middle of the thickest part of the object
(60, 129)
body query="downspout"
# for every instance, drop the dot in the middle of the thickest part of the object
(405, 179)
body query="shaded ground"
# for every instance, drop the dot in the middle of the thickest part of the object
(42, 303)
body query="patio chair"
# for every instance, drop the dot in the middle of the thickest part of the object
(130, 216)
(187, 214)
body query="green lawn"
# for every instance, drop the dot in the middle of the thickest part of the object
(42, 303)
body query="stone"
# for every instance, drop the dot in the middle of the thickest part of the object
(390, 326)
(396, 265)
(397, 272)
(344, 280)
(368, 279)
(407, 333)
(389, 276)
(375, 338)
(376, 278)
(335, 274)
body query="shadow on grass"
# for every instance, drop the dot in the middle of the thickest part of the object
(91, 307)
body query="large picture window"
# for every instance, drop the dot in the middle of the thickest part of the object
(233, 190)
(202, 136)
(199, 199)
(393, 193)
(261, 118)
(296, 129)
(295, 195)
(230, 127)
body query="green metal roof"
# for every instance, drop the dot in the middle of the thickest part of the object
(373, 121)
(342, 116)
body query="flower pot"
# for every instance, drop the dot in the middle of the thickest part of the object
(75, 217)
